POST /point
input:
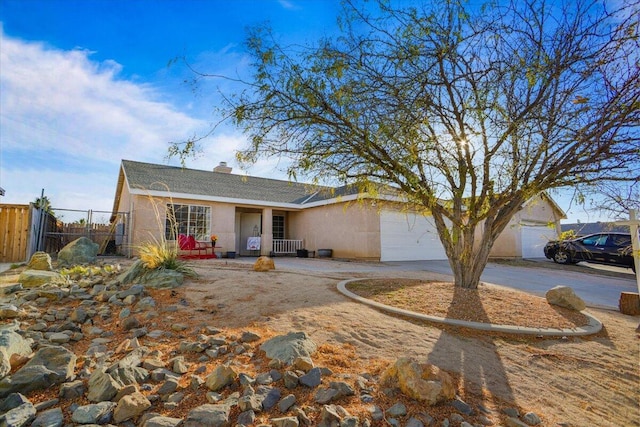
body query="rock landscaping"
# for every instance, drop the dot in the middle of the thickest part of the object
(101, 348)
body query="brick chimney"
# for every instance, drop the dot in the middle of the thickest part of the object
(222, 168)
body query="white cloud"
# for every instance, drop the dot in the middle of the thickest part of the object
(55, 99)
(67, 121)
(287, 4)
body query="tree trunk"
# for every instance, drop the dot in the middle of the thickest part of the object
(467, 257)
(468, 268)
(467, 260)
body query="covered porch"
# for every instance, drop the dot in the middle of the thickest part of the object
(264, 232)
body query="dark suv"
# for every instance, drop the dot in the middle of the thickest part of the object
(601, 248)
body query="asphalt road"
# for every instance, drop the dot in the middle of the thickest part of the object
(600, 288)
(595, 289)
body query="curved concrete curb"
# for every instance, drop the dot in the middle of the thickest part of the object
(593, 327)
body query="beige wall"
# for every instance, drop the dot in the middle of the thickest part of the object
(538, 211)
(223, 225)
(148, 215)
(147, 225)
(351, 229)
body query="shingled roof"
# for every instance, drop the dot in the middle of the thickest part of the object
(199, 184)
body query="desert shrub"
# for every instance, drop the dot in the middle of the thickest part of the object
(158, 253)
(162, 255)
(76, 272)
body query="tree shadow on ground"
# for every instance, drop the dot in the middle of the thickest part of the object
(477, 361)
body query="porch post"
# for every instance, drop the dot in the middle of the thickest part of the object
(267, 232)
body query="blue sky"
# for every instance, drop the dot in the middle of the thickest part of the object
(85, 84)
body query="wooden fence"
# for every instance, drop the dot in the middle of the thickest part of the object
(97, 233)
(15, 225)
(25, 229)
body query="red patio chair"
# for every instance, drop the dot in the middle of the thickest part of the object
(183, 242)
(194, 248)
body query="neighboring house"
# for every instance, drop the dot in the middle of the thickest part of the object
(530, 229)
(288, 216)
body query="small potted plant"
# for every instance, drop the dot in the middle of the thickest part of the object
(214, 239)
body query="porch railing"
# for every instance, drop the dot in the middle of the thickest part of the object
(286, 246)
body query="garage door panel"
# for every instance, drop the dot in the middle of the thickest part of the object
(533, 238)
(408, 237)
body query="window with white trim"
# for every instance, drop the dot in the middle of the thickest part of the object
(190, 220)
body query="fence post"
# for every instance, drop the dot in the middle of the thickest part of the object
(41, 230)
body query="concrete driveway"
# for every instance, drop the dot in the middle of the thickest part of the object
(537, 277)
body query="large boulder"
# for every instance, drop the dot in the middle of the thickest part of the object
(155, 279)
(564, 296)
(94, 413)
(421, 381)
(80, 251)
(20, 416)
(40, 261)
(10, 311)
(161, 421)
(264, 263)
(49, 366)
(12, 344)
(162, 279)
(287, 348)
(36, 278)
(49, 418)
(11, 402)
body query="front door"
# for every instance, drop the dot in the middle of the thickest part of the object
(249, 227)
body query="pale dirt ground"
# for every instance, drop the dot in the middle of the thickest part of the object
(590, 381)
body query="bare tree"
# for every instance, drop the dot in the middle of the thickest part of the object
(467, 111)
(617, 199)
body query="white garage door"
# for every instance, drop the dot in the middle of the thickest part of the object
(533, 238)
(407, 237)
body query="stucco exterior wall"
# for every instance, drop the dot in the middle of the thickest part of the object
(223, 225)
(148, 216)
(146, 225)
(508, 244)
(350, 229)
(539, 212)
